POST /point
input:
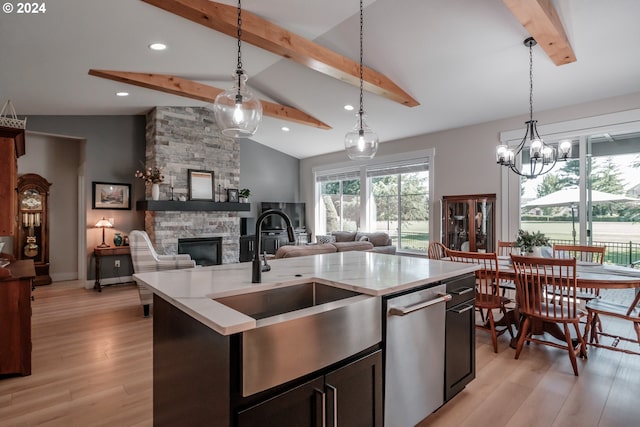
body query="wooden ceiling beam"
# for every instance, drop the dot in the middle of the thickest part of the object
(275, 39)
(202, 92)
(540, 18)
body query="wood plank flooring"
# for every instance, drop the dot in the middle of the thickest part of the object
(92, 366)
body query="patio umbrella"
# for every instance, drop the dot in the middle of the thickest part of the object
(570, 196)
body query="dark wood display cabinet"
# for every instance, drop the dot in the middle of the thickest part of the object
(32, 241)
(468, 222)
(11, 147)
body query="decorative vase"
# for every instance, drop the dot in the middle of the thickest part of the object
(155, 191)
(118, 239)
(536, 251)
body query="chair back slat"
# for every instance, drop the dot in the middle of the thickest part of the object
(508, 248)
(487, 275)
(436, 250)
(580, 252)
(546, 287)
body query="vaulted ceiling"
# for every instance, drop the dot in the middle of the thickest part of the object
(463, 61)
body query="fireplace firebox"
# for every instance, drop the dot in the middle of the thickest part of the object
(203, 250)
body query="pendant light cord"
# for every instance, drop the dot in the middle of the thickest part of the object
(361, 112)
(530, 81)
(239, 67)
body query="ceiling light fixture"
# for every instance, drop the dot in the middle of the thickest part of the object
(122, 93)
(285, 129)
(348, 107)
(542, 157)
(238, 112)
(361, 143)
(157, 46)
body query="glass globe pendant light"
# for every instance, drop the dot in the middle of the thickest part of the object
(361, 143)
(237, 111)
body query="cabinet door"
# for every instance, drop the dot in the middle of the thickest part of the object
(300, 407)
(460, 349)
(8, 183)
(354, 393)
(246, 248)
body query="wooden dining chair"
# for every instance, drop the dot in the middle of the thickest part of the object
(583, 253)
(546, 293)
(487, 296)
(597, 308)
(508, 248)
(505, 249)
(436, 250)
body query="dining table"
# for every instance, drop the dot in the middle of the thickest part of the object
(588, 275)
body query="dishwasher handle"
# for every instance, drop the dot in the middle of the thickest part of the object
(403, 311)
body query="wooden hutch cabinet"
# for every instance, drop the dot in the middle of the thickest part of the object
(11, 147)
(32, 237)
(468, 222)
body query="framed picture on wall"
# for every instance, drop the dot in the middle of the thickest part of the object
(232, 195)
(111, 195)
(200, 185)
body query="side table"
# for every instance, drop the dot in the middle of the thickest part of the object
(99, 253)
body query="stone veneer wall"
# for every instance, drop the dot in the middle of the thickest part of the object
(183, 138)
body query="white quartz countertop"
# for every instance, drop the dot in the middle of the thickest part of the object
(193, 290)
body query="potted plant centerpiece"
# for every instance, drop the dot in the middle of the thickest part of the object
(244, 195)
(531, 242)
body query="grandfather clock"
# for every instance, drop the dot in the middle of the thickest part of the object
(33, 224)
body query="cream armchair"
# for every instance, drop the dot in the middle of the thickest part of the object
(144, 258)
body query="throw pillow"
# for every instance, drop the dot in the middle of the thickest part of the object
(325, 239)
(363, 239)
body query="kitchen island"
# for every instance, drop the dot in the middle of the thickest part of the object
(218, 362)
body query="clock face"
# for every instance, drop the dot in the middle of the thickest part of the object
(31, 200)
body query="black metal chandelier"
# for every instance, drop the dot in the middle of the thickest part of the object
(542, 157)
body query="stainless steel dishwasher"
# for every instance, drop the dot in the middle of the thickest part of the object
(414, 355)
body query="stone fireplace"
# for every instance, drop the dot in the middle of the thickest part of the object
(183, 138)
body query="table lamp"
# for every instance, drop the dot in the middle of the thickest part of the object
(103, 223)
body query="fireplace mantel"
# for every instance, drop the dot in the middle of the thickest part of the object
(190, 205)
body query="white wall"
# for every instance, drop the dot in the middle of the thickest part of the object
(464, 160)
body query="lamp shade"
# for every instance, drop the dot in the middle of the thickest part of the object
(103, 223)
(238, 111)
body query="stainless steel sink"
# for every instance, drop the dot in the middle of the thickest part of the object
(278, 301)
(302, 328)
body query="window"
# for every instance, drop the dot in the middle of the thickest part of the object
(400, 197)
(339, 204)
(389, 194)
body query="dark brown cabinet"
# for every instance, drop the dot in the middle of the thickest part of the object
(15, 319)
(460, 336)
(468, 222)
(11, 147)
(246, 248)
(348, 396)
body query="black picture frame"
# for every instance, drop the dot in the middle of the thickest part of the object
(233, 195)
(110, 195)
(200, 184)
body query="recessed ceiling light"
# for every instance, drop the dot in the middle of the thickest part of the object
(122, 93)
(285, 129)
(348, 107)
(157, 46)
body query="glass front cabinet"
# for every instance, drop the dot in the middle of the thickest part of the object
(468, 222)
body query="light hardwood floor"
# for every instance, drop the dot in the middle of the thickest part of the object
(92, 366)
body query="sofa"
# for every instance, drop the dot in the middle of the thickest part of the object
(341, 241)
